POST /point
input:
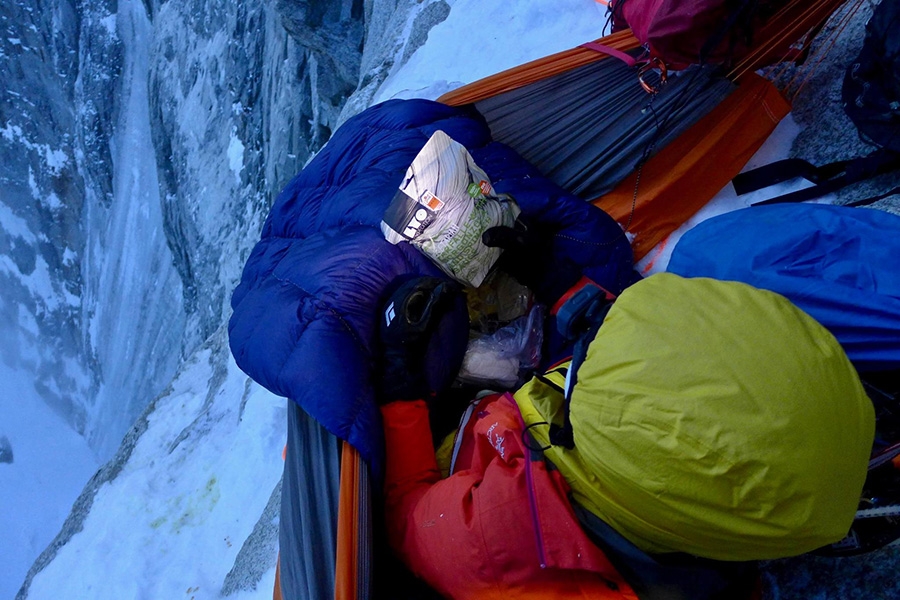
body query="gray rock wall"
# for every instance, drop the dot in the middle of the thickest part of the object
(42, 194)
(113, 271)
(828, 135)
(142, 143)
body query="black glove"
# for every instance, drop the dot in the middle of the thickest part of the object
(528, 256)
(407, 321)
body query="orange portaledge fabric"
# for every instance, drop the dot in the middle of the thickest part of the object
(793, 21)
(347, 560)
(276, 593)
(683, 176)
(346, 564)
(536, 70)
(690, 170)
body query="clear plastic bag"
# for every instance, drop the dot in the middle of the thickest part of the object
(503, 359)
(497, 302)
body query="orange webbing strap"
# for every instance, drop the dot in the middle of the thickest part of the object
(276, 593)
(346, 577)
(536, 70)
(691, 169)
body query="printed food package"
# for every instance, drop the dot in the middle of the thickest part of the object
(444, 204)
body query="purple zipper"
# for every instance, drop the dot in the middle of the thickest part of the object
(532, 498)
(458, 438)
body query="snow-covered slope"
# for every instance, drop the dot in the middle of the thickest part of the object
(45, 465)
(188, 506)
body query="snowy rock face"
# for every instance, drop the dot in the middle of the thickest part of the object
(141, 145)
(42, 197)
(189, 502)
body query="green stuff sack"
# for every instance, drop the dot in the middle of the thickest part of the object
(715, 419)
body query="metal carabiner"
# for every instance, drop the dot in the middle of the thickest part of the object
(654, 62)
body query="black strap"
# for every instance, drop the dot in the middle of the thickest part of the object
(527, 438)
(582, 324)
(873, 199)
(828, 178)
(784, 170)
(809, 193)
(543, 379)
(563, 435)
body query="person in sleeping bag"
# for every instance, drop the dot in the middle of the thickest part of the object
(685, 469)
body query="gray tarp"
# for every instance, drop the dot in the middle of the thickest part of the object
(309, 508)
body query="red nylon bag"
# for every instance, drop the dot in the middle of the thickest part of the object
(685, 32)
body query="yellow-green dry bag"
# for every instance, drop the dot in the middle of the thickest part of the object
(713, 418)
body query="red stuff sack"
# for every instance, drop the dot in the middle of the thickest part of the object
(685, 32)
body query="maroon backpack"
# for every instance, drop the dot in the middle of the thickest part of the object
(685, 32)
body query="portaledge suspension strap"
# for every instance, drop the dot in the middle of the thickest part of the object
(827, 178)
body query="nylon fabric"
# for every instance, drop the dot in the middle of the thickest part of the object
(501, 526)
(688, 32)
(541, 402)
(680, 179)
(588, 128)
(715, 419)
(537, 70)
(354, 529)
(309, 509)
(752, 33)
(838, 264)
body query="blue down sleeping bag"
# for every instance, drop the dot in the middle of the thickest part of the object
(304, 320)
(838, 264)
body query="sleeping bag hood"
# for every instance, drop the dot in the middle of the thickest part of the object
(304, 320)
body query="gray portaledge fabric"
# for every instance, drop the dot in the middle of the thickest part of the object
(365, 540)
(309, 509)
(588, 128)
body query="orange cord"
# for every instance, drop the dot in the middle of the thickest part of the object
(823, 51)
(805, 21)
